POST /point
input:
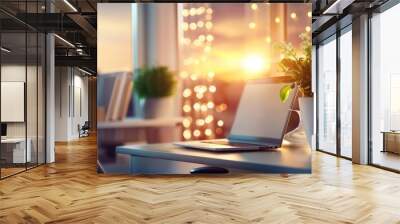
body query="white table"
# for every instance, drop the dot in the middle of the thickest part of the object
(19, 154)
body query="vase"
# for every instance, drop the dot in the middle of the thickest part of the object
(306, 105)
(161, 107)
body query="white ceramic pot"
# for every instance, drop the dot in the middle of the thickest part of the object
(158, 107)
(306, 105)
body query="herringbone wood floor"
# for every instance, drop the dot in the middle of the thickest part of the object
(70, 191)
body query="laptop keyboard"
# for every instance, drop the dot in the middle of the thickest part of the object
(237, 144)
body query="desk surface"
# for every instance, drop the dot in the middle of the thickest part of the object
(391, 132)
(293, 157)
(13, 140)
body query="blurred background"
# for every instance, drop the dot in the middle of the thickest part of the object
(210, 48)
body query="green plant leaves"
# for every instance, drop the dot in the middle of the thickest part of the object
(285, 92)
(154, 82)
(298, 67)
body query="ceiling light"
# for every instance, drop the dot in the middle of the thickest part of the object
(5, 50)
(337, 7)
(84, 71)
(64, 40)
(70, 5)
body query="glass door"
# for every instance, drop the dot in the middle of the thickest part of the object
(385, 89)
(326, 99)
(346, 92)
(14, 153)
(22, 78)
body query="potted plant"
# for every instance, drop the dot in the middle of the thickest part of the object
(298, 67)
(155, 87)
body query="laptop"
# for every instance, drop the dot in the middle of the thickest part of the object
(260, 122)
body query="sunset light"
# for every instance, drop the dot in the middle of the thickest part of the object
(254, 64)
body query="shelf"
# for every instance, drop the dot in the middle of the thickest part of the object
(141, 123)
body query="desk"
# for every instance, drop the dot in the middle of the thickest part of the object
(391, 141)
(13, 150)
(132, 130)
(293, 157)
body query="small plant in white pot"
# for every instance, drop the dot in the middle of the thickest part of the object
(299, 68)
(155, 87)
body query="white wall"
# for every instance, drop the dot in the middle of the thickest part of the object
(12, 73)
(114, 37)
(69, 82)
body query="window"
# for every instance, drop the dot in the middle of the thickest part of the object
(327, 96)
(346, 94)
(22, 76)
(220, 52)
(385, 89)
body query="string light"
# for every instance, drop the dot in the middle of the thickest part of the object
(210, 37)
(293, 15)
(185, 12)
(200, 122)
(199, 96)
(222, 107)
(308, 29)
(187, 92)
(254, 6)
(309, 14)
(208, 132)
(187, 108)
(196, 106)
(210, 104)
(193, 26)
(192, 12)
(200, 10)
(200, 24)
(209, 119)
(209, 25)
(186, 123)
(212, 89)
(252, 25)
(198, 88)
(268, 39)
(186, 134)
(277, 20)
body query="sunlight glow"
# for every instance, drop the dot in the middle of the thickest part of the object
(254, 64)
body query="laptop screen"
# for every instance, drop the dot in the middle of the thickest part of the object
(3, 129)
(261, 116)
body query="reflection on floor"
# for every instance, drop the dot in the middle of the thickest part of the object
(387, 159)
(70, 191)
(10, 169)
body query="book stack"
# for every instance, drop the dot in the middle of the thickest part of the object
(114, 93)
